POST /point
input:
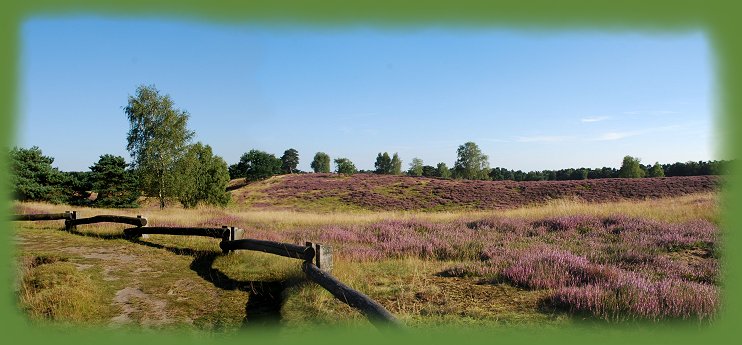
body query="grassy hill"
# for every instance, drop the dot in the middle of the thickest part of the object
(332, 192)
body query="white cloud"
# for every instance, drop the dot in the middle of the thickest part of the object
(650, 112)
(617, 135)
(594, 118)
(544, 138)
(626, 134)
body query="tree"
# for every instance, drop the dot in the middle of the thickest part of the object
(396, 165)
(33, 178)
(289, 161)
(471, 164)
(236, 171)
(416, 167)
(430, 171)
(157, 138)
(656, 170)
(443, 170)
(321, 163)
(345, 166)
(205, 177)
(631, 168)
(259, 165)
(383, 164)
(116, 186)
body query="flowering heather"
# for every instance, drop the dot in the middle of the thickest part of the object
(388, 192)
(634, 296)
(614, 267)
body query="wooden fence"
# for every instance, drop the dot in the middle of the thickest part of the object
(317, 258)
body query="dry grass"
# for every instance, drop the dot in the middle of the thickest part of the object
(408, 287)
(676, 209)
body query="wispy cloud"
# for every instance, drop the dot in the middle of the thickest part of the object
(543, 138)
(650, 112)
(625, 134)
(594, 118)
(617, 135)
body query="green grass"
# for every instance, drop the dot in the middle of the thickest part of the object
(186, 283)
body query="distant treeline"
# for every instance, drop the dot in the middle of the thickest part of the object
(675, 169)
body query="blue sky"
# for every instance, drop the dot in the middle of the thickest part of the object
(531, 100)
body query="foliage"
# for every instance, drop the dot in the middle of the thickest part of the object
(205, 177)
(157, 138)
(258, 165)
(416, 167)
(289, 161)
(321, 163)
(116, 186)
(383, 164)
(396, 165)
(443, 170)
(33, 178)
(345, 166)
(430, 171)
(656, 170)
(236, 171)
(471, 163)
(631, 168)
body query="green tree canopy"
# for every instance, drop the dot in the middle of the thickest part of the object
(33, 178)
(321, 163)
(383, 164)
(259, 165)
(471, 163)
(116, 186)
(205, 177)
(443, 170)
(157, 138)
(345, 166)
(631, 168)
(396, 165)
(656, 170)
(289, 161)
(416, 167)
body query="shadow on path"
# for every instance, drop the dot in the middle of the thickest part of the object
(263, 306)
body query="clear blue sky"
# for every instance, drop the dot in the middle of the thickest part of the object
(531, 100)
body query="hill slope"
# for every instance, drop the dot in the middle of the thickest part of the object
(326, 192)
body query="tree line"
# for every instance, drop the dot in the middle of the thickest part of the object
(167, 165)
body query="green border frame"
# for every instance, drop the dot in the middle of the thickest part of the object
(719, 19)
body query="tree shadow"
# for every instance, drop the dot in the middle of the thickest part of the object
(263, 307)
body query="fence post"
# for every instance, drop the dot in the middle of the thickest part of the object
(145, 236)
(323, 257)
(237, 234)
(67, 222)
(226, 234)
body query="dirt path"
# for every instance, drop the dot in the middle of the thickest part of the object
(146, 286)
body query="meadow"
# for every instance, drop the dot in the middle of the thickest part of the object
(546, 263)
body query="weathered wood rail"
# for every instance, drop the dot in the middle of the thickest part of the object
(42, 216)
(375, 312)
(136, 221)
(156, 230)
(317, 259)
(277, 248)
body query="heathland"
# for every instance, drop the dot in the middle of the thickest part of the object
(432, 251)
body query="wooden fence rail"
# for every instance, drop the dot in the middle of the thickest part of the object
(318, 272)
(42, 216)
(375, 312)
(136, 221)
(278, 248)
(155, 230)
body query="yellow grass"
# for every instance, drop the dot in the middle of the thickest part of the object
(675, 209)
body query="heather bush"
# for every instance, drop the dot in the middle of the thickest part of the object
(613, 267)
